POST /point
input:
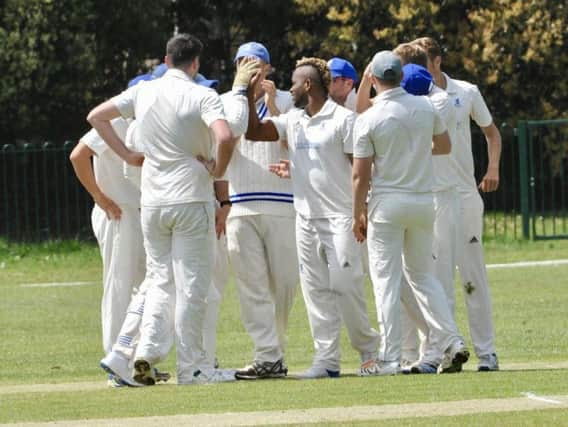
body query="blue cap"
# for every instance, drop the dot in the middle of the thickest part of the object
(140, 78)
(160, 70)
(253, 49)
(416, 79)
(201, 80)
(340, 67)
(386, 66)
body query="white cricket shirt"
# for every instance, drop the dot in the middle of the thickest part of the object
(467, 102)
(174, 115)
(397, 130)
(445, 175)
(320, 168)
(107, 166)
(253, 189)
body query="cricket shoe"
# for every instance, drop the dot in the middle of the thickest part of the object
(144, 373)
(388, 368)
(369, 368)
(420, 368)
(213, 376)
(315, 372)
(117, 365)
(115, 382)
(488, 363)
(454, 357)
(262, 370)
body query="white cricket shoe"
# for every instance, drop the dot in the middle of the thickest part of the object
(454, 357)
(369, 368)
(315, 372)
(212, 376)
(388, 368)
(117, 365)
(488, 362)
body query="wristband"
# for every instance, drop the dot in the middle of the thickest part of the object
(225, 203)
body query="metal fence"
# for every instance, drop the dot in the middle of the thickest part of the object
(40, 197)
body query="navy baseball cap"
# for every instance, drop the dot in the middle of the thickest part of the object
(386, 66)
(255, 49)
(141, 78)
(340, 67)
(416, 79)
(201, 80)
(160, 70)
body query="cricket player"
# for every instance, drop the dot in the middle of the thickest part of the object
(468, 103)
(401, 209)
(260, 232)
(343, 80)
(319, 135)
(175, 118)
(116, 225)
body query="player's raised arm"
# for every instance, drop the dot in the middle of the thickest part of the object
(257, 130)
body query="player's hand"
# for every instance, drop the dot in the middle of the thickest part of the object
(106, 204)
(209, 164)
(490, 181)
(221, 215)
(367, 75)
(134, 158)
(269, 90)
(282, 168)
(360, 228)
(246, 70)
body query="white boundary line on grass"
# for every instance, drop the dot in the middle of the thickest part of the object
(554, 262)
(325, 415)
(55, 284)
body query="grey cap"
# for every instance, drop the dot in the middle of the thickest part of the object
(386, 66)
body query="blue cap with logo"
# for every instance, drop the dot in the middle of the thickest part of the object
(255, 49)
(416, 79)
(141, 78)
(386, 66)
(340, 67)
(201, 80)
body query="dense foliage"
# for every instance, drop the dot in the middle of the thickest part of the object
(59, 58)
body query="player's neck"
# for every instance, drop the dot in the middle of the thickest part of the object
(440, 80)
(315, 104)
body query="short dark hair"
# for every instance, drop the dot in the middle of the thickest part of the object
(431, 46)
(411, 54)
(182, 49)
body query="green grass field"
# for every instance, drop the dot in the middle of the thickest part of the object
(52, 336)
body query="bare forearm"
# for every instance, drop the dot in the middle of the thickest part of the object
(100, 118)
(257, 130)
(221, 190)
(363, 100)
(361, 178)
(224, 154)
(494, 146)
(81, 160)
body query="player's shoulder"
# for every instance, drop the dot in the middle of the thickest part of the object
(465, 86)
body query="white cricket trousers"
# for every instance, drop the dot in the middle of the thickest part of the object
(331, 275)
(130, 331)
(445, 253)
(473, 274)
(122, 252)
(220, 277)
(399, 237)
(179, 243)
(262, 252)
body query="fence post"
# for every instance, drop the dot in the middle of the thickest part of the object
(522, 138)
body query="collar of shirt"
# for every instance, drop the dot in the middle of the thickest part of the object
(451, 87)
(327, 110)
(391, 93)
(174, 72)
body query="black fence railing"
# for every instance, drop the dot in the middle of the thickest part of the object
(41, 199)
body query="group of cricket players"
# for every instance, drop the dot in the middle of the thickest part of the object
(322, 185)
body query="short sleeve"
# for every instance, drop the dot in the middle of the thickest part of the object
(284, 101)
(281, 125)
(92, 140)
(479, 111)
(211, 108)
(362, 143)
(125, 101)
(347, 133)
